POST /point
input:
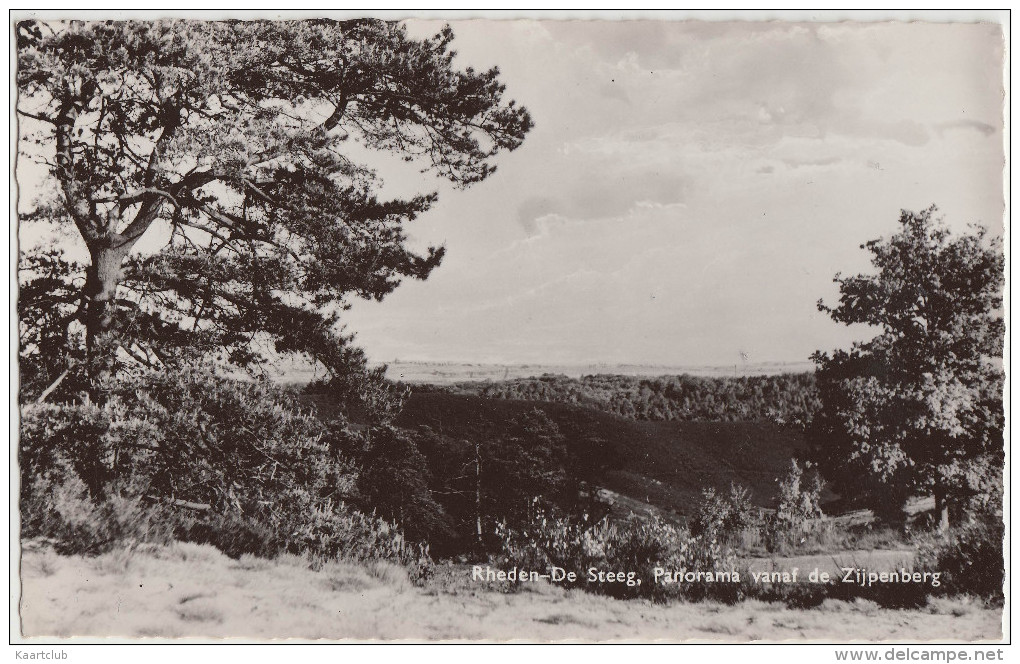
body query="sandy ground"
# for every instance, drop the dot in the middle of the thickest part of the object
(195, 591)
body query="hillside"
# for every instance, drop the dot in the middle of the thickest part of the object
(666, 464)
(786, 397)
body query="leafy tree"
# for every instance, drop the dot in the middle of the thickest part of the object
(719, 515)
(783, 398)
(918, 407)
(234, 146)
(525, 462)
(395, 480)
(47, 305)
(499, 474)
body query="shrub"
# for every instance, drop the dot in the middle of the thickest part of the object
(58, 507)
(333, 532)
(232, 533)
(363, 395)
(797, 503)
(797, 508)
(970, 559)
(68, 493)
(576, 545)
(524, 461)
(727, 516)
(208, 459)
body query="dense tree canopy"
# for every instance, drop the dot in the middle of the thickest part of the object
(236, 145)
(919, 407)
(502, 474)
(783, 398)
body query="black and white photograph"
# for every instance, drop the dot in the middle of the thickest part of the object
(503, 327)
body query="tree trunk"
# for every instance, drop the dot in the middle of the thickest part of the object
(941, 508)
(101, 291)
(478, 497)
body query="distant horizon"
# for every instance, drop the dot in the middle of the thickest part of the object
(497, 363)
(448, 372)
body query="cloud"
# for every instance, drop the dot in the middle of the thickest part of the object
(802, 163)
(533, 208)
(982, 128)
(601, 189)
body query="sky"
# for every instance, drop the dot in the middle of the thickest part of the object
(690, 189)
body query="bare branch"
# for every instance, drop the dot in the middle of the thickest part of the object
(49, 390)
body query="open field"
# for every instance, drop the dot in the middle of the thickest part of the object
(189, 590)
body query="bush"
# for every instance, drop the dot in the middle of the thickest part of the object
(333, 532)
(797, 509)
(970, 559)
(734, 520)
(364, 395)
(58, 507)
(968, 562)
(576, 545)
(725, 517)
(208, 459)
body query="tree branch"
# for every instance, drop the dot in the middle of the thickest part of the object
(76, 205)
(49, 390)
(35, 116)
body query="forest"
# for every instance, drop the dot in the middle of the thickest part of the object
(785, 398)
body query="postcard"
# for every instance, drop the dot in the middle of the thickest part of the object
(496, 327)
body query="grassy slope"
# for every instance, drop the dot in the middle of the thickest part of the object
(192, 590)
(663, 463)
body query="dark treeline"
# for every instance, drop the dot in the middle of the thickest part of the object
(782, 398)
(448, 468)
